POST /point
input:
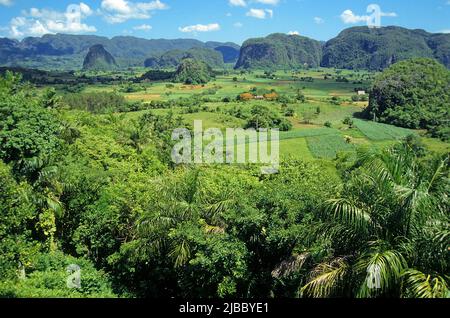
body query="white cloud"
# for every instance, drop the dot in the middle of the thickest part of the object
(348, 17)
(447, 31)
(120, 6)
(37, 22)
(389, 14)
(270, 2)
(260, 13)
(200, 28)
(143, 27)
(318, 20)
(237, 3)
(293, 33)
(238, 25)
(119, 11)
(243, 3)
(6, 2)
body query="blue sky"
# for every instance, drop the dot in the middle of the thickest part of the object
(219, 20)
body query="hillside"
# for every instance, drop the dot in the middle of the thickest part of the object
(63, 51)
(193, 72)
(399, 92)
(353, 48)
(99, 59)
(230, 51)
(172, 59)
(280, 51)
(374, 49)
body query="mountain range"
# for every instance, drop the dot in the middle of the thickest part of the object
(353, 48)
(172, 59)
(67, 52)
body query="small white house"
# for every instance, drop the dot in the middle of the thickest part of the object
(361, 93)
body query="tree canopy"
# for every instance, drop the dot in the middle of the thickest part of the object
(413, 94)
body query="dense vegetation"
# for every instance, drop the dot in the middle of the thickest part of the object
(66, 51)
(172, 59)
(193, 72)
(280, 51)
(353, 48)
(376, 49)
(413, 94)
(85, 181)
(99, 103)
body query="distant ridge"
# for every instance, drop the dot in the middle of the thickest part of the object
(67, 52)
(172, 59)
(353, 48)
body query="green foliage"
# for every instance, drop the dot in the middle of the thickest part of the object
(172, 59)
(263, 117)
(47, 276)
(376, 131)
(280, 51)
(328, 146)
(98, 103)
(27, 129)
(350, 122)
(375, 49)
(16, 212)
(413, 94)
(157, 75)
(382, 228)
(193, 72)
(109, 198)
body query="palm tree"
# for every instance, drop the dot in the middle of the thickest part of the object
(181, 203)
(389, 230)
(48, 188)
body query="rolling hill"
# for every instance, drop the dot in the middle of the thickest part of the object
(376, 49)
(99, 59)
(353, 48)
(172, 59)
(280, 51)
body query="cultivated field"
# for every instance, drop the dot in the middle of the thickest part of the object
(318, 129)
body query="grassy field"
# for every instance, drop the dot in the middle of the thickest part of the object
(376, 131)
(328, 146)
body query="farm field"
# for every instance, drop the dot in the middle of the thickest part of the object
(327, 103)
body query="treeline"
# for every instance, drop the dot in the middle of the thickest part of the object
(100, 103)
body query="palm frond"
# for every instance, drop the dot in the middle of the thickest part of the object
(180, 253)
(327, 279)
(382, 271)
(419, 285)
(347, 212)
(440, 174)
